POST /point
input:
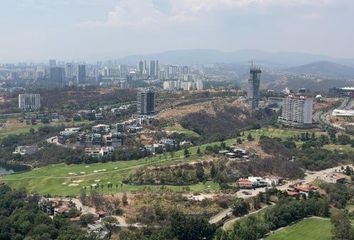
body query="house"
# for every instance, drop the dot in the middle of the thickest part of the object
(334, 178)
(168, 141)
(62, 210)
(26, 150)
(98, 229)
(186, 144)
(223, 152)
(304, 189)
(101, 128)
(99, 152)
(244, 183)
(257, 181)
(272, 181)
(90, 140)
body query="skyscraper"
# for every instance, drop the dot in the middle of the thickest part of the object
(253, 87)
(57, 77)
(146, 102)
(141, 67)
(81, 74)
(69, 71)
(152, 69)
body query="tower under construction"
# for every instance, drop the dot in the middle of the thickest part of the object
(253, 87)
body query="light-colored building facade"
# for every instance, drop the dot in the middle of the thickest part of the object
(29, 101)
(297, 111)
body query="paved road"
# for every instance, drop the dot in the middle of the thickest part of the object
(309, 177)
(322, 117)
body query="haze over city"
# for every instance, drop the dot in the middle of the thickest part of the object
(37, 30)
(176, 120)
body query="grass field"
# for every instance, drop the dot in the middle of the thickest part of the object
(4, 132)
(65, 180)
(307, 229)
(179, 129)
(18, 130)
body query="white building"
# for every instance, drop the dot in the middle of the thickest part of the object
(343, 113)
(29, 101)
(297, 111)
(26, 150)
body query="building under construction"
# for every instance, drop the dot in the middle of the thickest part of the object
(253, 95)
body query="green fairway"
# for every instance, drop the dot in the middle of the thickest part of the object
(307, 229)
(62, 179)
(15, 131)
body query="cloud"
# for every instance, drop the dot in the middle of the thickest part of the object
(141, 13)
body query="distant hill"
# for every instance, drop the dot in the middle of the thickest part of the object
(324, 69)
(208, 56)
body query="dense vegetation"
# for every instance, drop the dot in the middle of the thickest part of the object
(20, 218)
(310, 154)
(226, 122)
(286, 211)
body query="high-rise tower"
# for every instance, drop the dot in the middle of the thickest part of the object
(253, 87)
(146, 102)
(81, 74)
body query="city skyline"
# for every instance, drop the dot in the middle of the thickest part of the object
(94, 30)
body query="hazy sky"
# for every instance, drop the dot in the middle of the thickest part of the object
(97, 29)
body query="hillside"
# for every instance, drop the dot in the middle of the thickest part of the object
(324, 69)
(206, 56)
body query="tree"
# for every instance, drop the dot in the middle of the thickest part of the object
(191, 228)
(125, 199)
(249, 137)
(344, 139)
(186, 153)
(200, 173)
(87, 219)
(198, 151)
(213, 171)
(342, 229)
(239, 207)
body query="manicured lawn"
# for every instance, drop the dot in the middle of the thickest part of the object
(179, 129)
(307, 229)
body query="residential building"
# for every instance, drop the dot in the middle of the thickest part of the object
(297, 111)
(26, 150)
(29, 101)
(146, 102)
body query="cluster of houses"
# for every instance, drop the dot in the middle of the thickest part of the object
(300, 189)
(54, 207)
(256, 182)
(102, 139)
(236, 154)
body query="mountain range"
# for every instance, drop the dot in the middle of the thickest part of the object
(278, 60)
(324, 69)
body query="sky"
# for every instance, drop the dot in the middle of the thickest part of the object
(36, 30)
